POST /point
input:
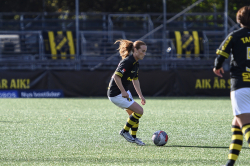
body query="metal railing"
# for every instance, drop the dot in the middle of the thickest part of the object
(103, 21)
(28, 48)
(98, 42)
(21, 43)
(23, 49)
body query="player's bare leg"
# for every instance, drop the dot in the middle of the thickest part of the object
(136, 108)
(129, 111)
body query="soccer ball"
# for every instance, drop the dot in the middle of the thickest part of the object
(160, 138)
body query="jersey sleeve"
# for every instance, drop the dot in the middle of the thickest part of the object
(219, 61)
(122, 68)
(225, 47)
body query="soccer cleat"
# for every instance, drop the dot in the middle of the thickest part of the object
(127, 136)
(139, 142)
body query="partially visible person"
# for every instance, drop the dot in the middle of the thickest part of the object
(238, 43)
(118, 93)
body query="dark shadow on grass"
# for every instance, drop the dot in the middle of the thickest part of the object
(189, 98)
(209, 147)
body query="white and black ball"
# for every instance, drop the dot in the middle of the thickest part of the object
(160, 138)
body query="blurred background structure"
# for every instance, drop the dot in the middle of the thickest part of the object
(42, 34)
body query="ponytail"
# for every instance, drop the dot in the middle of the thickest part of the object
(125, 47)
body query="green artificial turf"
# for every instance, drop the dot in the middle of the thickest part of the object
(84, 131)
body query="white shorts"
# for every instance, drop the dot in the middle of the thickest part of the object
(240, 100)
(121, 101)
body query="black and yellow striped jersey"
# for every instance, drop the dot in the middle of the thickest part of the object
(237, 43)
(128, 70)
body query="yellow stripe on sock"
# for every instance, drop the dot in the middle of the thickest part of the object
(136, 125)
(238, 137)
(232, 157)
(136, 115)
(245, 128)
(133, 132)
(247, 135)
(235, 146)
(126, 128)
(235, 129)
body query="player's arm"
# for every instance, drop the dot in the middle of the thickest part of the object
(123, 66)
(223, 53)
(118, 82)
(136, 84)
(218, 69)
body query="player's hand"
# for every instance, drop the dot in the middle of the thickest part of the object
(143, 101)
(125, 94)
(219, 71)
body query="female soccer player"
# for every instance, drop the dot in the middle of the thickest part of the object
(238, 43)
(118, 93)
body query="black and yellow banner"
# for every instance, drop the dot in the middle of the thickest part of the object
(59, 44)
(95, 83)
(23, 80)
(187, 43)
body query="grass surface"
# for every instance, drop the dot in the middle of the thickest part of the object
(85, 132)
